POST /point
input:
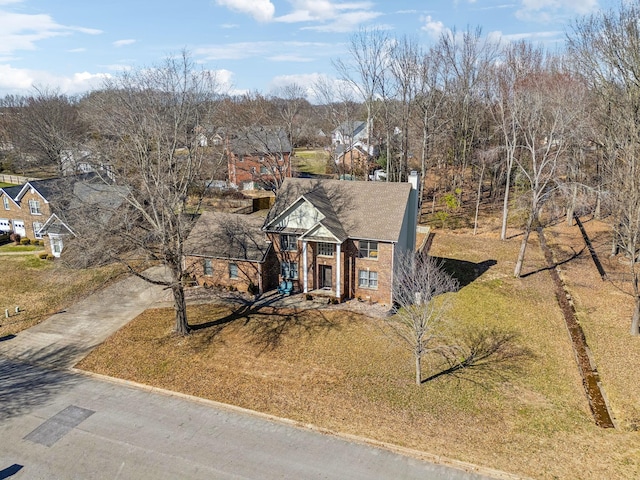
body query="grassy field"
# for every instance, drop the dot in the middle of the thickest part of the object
(521, 410)
(13, 248)
(41, 288)
(313, 162)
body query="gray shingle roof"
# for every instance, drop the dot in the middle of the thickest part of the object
(228, 236)
(12, 191)
(260, 140)
(363, 210)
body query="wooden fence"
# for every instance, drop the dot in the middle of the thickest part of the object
(15, 179)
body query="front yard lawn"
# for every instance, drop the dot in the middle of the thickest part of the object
(42, 287)
(523, 412)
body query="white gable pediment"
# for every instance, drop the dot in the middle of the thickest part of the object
(301, 216)
(320, 233)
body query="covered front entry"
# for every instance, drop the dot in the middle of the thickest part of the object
(324, 277)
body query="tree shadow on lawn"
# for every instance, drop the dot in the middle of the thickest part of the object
(484, 354)
(553, 265)
(268, 324)
(463, 271)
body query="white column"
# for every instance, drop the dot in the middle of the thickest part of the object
(338, 278)
(305, 269)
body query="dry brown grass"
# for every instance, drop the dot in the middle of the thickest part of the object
(604, 309)
(346, 372)
(41, 287)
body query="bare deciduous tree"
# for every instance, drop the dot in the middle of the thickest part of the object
(148, 121)
(43, 126)
(419, 285)
(605, 48)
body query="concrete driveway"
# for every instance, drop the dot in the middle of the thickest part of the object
(58, 423)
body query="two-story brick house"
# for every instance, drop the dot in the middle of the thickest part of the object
(258, 157)
(340, 238)
(25, 208)
(40, 209)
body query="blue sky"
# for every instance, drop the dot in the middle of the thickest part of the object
(258, 45)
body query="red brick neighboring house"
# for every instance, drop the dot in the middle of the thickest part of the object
(39, 209)
(229, 250)
(258, 157)
(340, 238)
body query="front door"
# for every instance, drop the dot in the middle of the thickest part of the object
(325, 277)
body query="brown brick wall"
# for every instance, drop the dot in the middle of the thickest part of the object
(382, 265)
(248, 169)
(248, 272)
(349, 269)
(22, 212)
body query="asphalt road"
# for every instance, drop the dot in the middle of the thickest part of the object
(58, 424)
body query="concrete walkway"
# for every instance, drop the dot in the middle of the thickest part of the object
(65, 338)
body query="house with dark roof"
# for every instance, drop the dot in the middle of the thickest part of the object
(40, 209)
(258, 157)
(340, 238)
(229, 250)
(349, 133)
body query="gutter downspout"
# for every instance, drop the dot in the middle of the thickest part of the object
(338, 273)
(393, 257)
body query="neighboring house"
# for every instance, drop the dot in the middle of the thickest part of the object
(258, 157)
(340, 239)
(36, 209)
(229, 250)
(348, 133)
(351, 158)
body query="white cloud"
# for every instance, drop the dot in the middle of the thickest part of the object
(241, 50)
(77, 50)
(122, 43)
(434, 28)
(332, 16)
(21, 32)
(552, 35)
(548, 10)
(224, 79)
(261, 10)
(21, 81)
(13, 79)
(289, 58)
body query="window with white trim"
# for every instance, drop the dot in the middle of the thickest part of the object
(36, 229)
(368, 249)
(34, 207)
(288, 243)
(5, 201)
(207, 267)
(289, 270)
(233, 271)
(56, 245)
(367, 279)
(325, 249)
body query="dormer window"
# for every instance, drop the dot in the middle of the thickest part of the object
(34, 207)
